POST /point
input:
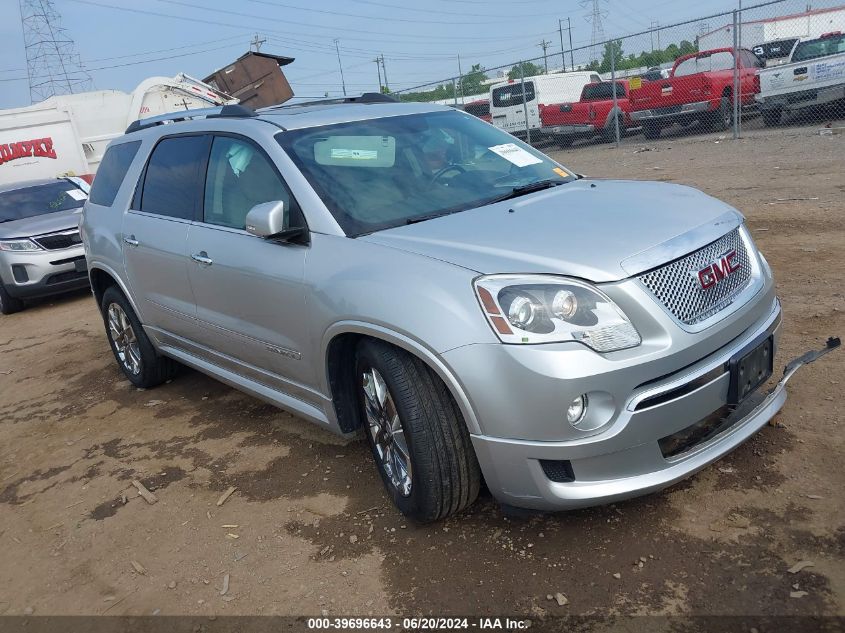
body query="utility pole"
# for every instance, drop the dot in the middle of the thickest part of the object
(460, 79)
(256, 42)
(342, 80)
(378, 68)
(562, 54)
(384, 69)
(571, 52)
(544, 45)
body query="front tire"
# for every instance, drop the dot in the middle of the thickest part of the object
(130, 345)
(8, 303)
(417, 435)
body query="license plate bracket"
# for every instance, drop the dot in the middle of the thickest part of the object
(80, 265)
(750, 368)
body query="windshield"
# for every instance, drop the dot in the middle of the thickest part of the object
(831, 45)
(27, 202)
(382, 173)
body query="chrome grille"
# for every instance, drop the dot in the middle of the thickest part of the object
(56, 241)
(677, 287)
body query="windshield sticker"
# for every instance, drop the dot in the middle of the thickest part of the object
(560, 172)
(77, 195)
(515, 154)
(355, 154)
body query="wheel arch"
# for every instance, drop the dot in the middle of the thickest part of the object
(338, 352)
(101, 278)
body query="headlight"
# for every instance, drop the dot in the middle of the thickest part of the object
(18, 245)
(530, 309)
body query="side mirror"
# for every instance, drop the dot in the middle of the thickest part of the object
(267, 218)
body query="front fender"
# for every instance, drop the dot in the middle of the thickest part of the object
(412, 346)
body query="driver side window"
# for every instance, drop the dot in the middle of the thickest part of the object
(239, 177)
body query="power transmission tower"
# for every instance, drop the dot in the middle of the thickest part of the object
(595, 17)
(52, 65)
(544, 45)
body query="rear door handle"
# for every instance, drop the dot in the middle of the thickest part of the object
(130, 240)
(202, 258)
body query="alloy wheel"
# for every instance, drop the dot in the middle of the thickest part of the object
(125, 341)
(386, 431)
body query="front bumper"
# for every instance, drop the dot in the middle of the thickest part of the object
(638, 398)
(671, 112)
(46, 272)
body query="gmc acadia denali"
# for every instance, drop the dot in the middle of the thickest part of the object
(472, 305)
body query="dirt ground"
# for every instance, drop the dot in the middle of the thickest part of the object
(309, 530)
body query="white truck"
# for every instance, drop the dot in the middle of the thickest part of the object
(66, 135)
(508, 106)
(814, 76)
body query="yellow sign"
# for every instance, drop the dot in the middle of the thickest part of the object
(635, 82)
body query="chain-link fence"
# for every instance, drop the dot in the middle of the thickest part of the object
(776, 63)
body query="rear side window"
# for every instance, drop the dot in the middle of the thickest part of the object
(603, 92)
(171, 182)
(822, 47)
(112, 171)
(723, 60)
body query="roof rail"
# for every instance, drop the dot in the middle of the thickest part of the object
(226, 111)
(367, 97)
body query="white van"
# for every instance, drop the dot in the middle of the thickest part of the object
(506, 99)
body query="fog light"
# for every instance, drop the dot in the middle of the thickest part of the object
(575, 412)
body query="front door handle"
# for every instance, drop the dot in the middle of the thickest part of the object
(202, 258)
(130, 240)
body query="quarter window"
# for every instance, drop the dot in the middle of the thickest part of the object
(172, 176)
(112, 170)
(239, 177)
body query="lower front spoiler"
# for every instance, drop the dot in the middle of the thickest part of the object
(516, 478)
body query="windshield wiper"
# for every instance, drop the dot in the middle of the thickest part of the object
(523, 190)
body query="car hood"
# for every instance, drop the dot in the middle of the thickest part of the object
(40, 224)
(600, 230)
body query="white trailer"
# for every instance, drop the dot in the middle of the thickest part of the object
(67, 135)
(807, 25)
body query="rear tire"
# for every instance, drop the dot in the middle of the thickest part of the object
(132, 349)
(417, 435)
(772, 117)
(8, 303)
(652, 130)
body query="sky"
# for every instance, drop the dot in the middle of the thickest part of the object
(121, 42)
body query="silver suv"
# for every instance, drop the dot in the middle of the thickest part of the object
(474, 306)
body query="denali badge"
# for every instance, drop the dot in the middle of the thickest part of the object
(718, 270)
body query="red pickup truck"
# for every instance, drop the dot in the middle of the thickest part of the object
(591, 116)
(699, 88)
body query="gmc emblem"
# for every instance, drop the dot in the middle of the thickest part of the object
(718, 270)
